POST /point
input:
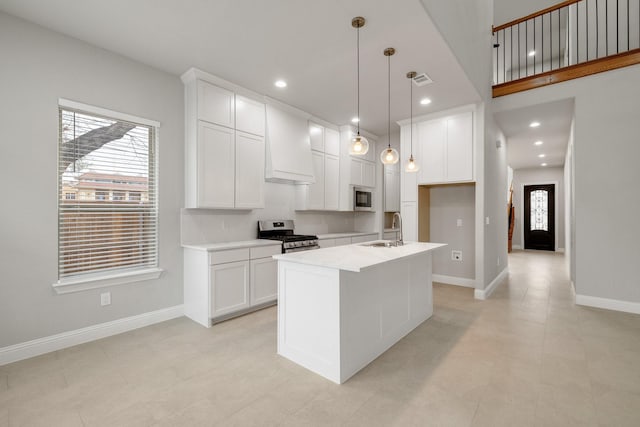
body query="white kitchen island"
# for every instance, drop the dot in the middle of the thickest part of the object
(339, 308)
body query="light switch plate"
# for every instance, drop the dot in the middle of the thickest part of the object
(486, 220)
(105, 298)
(459, 223)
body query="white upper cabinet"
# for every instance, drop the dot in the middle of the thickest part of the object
(446, 149)
(409, 182)
(331, 182)
(215, 104)
(331, 142)
(215, 147)
(249, 171)
(249, 115)
(316, 136)
(460, 147)
(432, 137)
(225, 149)
(324, 193)
(391, 188)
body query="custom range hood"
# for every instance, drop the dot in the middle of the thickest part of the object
(288, 148)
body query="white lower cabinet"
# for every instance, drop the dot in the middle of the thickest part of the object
(220, 284)
(264, 280)
(229, 288)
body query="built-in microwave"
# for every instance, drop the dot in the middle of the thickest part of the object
(362, 199)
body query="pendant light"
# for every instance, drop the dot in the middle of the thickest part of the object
(411, 165)
(359, 144)
(389, 156)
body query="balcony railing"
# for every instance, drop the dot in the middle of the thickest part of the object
(572, 39)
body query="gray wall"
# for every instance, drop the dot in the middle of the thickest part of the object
(606, 176)
(539, 176)
(466, 27)
(495, 205)
(448, 203)
(38, 67)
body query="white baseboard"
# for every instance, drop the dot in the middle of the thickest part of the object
(452, 280)
(609, 304)
(485, 293)
(39, 346)
(516, 247)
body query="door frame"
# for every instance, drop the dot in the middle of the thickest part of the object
(555, 213)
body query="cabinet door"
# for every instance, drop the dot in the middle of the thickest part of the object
(356, 172)
(460, 147)
(316, 190)
(216, 171)
(331, 142)
(391, 190)
(264, 280)
(250, 116)
(331, 182)
(316, 136)
(432, 141)
(409, 212)
(368, 174)
(216, 105)
(229, 288)
(249, 171)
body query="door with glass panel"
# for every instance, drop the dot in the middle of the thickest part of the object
(539, 217)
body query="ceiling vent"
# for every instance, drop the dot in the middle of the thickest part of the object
(422, 79)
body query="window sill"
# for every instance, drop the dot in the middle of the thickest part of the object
(87, 282)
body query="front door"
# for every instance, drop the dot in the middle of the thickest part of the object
(539, 217)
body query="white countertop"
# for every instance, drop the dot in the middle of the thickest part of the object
(339, 235)
(356, 257)
(212, 247)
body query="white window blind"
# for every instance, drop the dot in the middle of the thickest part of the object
(107, 194)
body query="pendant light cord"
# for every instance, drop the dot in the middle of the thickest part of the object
(358, 72)
(411, 117)
(389, 101)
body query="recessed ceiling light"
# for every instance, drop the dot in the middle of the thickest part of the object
(355, 120)
(280, 83)
(541, 155)
(425, 101)
(538, 143)
(532, 53)
(543, 164)
(534, 124)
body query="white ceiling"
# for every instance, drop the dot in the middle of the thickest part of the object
(555, 126)
(310, 44)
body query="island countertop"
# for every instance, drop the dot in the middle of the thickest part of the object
(357, 256)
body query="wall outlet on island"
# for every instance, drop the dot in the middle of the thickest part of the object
(456, 255)
(105, 298)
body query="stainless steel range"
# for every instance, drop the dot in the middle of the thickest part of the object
(283, 230)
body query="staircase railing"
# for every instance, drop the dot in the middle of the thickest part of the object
(569, 40)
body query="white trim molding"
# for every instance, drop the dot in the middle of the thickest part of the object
(483, 294)
(101, 280)
(25, 350)
(609, 304)
(452, 280)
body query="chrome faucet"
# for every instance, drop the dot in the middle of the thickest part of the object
(399, 242)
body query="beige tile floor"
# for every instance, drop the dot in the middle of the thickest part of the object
(526, 357)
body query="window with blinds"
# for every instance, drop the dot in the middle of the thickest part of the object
(107, 194)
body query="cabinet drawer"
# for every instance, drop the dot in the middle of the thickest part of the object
(222, 257)
(265, 251)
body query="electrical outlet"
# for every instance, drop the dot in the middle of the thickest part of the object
(459, 223)
(486, 220)
(105, 299)
(456, 255)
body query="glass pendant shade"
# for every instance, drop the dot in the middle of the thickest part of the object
(389, 156)
(359, 145)
(411, 165)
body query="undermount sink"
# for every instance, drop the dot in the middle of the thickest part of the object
(388, 244)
